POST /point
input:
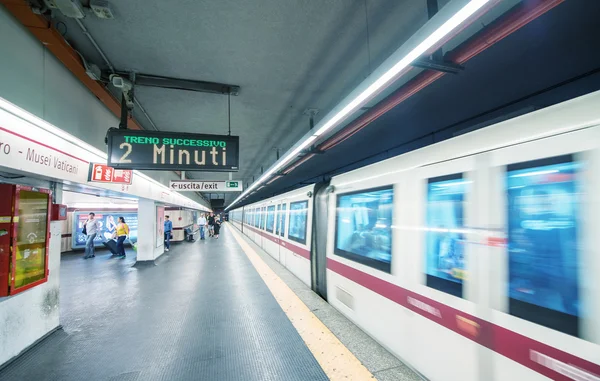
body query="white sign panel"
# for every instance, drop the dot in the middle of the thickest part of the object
(206, 186)
(27, 147)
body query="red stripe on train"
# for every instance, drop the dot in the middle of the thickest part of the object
(290, 246)
(542, 358)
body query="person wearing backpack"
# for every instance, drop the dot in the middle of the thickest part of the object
(211, 225)
(91, 227)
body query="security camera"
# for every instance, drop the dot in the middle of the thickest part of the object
(126, 87)
(120, 82)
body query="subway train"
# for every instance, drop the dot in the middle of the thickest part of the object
(471, 259)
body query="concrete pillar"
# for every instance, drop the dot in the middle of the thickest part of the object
(149, 245)
(32, 315)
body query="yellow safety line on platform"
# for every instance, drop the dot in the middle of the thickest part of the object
(337, 361)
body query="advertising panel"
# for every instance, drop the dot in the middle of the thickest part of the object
(543, 208)
(133, 149)
(32, 234)
(108, 224)
(364, 227)
(160, 226)
(445, 234)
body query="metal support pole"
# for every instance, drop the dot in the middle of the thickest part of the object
(124, 113)
(311, 112)
(182, 175)
(432, 9)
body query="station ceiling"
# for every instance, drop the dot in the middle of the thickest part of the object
(293, 55)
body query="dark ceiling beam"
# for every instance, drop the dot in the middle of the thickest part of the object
(182, 84)
(513, 20)
(438, 55)
(437, 65)
(43, 30)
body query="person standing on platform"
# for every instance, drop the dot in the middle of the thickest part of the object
(202, 225)
(121, 234)
(211, 225)
(217, 227)
(92, 226)
(168, 230)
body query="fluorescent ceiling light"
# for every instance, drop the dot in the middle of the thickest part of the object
(88, 205)
(26, 115)
(99, 156)
(383, 80)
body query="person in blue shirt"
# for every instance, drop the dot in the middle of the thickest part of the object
(168, 229)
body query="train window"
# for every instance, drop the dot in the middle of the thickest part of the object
(543, 207)
(258, 217)
(282, 220)
(298, 217)
(270, 218)
(363, 227)
(445, 234)
(278, 220)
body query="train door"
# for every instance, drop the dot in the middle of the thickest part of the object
(319, 239)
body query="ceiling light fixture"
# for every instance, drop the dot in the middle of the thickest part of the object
(92, 154)
(382, 77)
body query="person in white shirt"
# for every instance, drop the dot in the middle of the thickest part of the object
(92, 227)
(202, 225)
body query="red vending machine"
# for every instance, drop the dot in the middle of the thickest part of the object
(24, 237)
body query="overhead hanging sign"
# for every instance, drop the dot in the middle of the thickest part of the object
(102, 173)
(206, 186)
(133, 149)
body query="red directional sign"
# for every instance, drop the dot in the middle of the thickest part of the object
(102, 173)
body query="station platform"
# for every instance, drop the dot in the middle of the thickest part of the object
(206, 311)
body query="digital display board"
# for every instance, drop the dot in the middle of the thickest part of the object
(153, 150)
(108, 224)
(445, 236)
(543, 249)
(364, 227)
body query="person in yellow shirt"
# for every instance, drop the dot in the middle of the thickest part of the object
(121, 233)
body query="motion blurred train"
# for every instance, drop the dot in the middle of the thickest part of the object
(475, 258)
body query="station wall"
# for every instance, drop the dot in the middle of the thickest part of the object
(33, 79)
